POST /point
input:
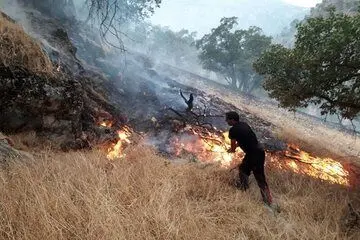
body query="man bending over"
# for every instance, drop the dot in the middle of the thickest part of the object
(241, 135)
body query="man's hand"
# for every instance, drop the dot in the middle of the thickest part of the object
(233, 146)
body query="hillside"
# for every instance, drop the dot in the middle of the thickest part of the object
(287, 35)
(109, 153)
(345, 6)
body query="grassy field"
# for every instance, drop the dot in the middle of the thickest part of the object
(86, 196)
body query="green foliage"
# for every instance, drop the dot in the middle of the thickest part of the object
(349, 7)
(322, 69)
(231, 53)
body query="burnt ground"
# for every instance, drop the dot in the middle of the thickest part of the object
(154, 105)
(93, 85)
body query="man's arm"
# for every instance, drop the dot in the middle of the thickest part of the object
(233, 146)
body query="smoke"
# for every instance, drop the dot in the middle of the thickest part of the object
(82, 11)
(13, 9)
(202, 15)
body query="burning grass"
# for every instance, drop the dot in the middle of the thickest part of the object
(143, 196)
(211, 147)
(206, 146)
(116, 150)
(19, 50)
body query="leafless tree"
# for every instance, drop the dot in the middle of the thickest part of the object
(111, 14)
(108, 15)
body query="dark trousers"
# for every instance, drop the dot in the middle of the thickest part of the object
(254, 162)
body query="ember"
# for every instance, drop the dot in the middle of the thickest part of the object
(106, 124)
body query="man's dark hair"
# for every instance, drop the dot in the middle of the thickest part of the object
(232, 116)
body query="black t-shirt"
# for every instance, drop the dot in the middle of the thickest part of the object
(244, 136)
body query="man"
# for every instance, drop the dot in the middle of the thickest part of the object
(241, 135)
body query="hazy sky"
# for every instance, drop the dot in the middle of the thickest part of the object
(303, 3)
(202, 15)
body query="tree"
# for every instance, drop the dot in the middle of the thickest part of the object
(175, 47)
(323, 68)
(111, 14)
(231, 53)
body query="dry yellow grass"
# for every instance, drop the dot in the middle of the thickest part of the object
(84, 196)
(19, 50)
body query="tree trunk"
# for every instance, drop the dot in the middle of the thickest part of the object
(255, 83)
(242, 82)
(233, 77)
(233, 82)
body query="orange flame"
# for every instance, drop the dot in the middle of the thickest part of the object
(116, 150)
(321, 168)
(212, 147)
(206, 146)
(108, 124)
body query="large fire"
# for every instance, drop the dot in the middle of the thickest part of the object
(207, 146)
(212, 147)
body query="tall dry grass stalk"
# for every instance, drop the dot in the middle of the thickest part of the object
(19, 50)
(84, 196)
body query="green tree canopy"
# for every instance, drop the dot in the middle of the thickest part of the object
(323, 68)
(232, 52)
